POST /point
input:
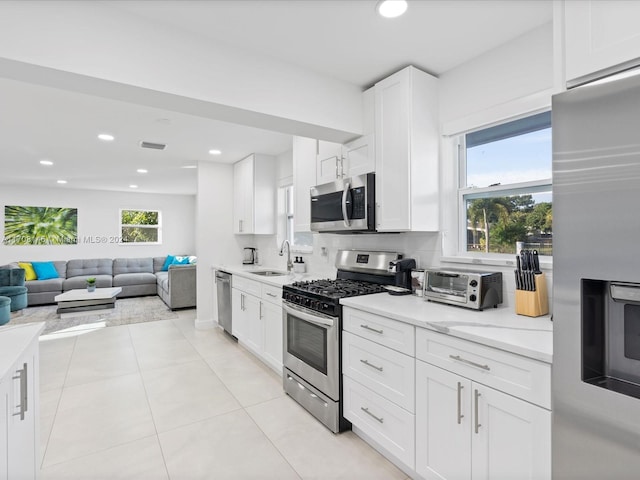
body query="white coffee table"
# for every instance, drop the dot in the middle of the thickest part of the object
(83, 302)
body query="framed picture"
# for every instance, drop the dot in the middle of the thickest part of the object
(40, 225)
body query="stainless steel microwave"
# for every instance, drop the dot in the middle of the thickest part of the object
(344, 205)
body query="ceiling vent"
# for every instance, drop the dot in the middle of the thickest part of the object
(155, 146)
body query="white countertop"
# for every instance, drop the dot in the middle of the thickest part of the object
(500, 327)
(14, 339)
(278, 281)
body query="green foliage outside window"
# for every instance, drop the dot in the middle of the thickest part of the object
(496, 224)
(140, 226)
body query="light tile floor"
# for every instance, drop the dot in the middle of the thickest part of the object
(162, 400)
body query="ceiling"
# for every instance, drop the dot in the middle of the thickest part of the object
(343, 39)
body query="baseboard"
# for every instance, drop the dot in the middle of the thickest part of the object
(207, 324)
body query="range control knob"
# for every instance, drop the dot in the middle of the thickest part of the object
(473, 283)
(473, 298)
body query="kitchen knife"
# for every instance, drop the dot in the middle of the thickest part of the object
(536, 263)
(517, 275)
(519, 285)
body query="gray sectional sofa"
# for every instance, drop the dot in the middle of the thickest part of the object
(136, 276)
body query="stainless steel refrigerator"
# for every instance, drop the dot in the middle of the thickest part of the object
(596, 291)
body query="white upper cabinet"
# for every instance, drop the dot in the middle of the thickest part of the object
(254, 195)
(601, 37)
(335, 161)
(304, 177)
(358, 156)
(328, 162)
(406, 152)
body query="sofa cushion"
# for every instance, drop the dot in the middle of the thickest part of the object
(45, 270)
(80, 282)
(163, 280)
(158, 262)
(29, 272)
(39, 286)
(132, 265)
(89, 267)
(125, 279)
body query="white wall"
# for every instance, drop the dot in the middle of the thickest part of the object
(98, 217)
(215, 242)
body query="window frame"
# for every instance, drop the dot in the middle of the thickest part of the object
(158, 226)
(465, 193)
(286, 211)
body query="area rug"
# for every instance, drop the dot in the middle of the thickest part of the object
(126, 311)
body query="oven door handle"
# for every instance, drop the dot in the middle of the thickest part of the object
(315, 318)
(345, 215)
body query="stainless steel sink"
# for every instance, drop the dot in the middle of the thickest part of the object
(270, 273)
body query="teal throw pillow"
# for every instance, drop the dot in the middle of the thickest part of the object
(180, 261)
(170, 259)
(45, 270)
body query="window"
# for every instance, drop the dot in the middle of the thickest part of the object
(140, 226)
(299, 241)
(505, 187)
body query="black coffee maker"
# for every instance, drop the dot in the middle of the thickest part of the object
(402, 269)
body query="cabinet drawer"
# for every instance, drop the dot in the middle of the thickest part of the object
(272, 294)
(248, 286)
(519, 376)
(385, 331)
(385, 371)
(386, 423)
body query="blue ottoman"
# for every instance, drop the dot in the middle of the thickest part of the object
(17, 296)
(5, 310)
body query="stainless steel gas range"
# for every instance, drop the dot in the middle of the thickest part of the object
(312, 345)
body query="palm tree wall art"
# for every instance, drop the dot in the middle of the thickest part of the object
(40, 225)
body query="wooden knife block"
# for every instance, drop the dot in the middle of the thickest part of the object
(533, 304)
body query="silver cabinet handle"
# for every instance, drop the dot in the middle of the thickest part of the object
(24, 394)
(372, 329)
(242, 301)
(460, 415)
(469, 362)
(272, 295)
(337, 170)
(240, 225)
(366, 410)
(476, 396)
(260, 310)
(366, 362)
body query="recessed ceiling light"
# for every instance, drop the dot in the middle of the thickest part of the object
(391, 8)
(215, 152)
(62, 181)
(106, 137)
(142, 170)
(46, 162)
(189, 166)
(133, 186)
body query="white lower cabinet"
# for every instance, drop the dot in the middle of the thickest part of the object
(19, 418)
(387, 424)
(257, 319)
(379, 382)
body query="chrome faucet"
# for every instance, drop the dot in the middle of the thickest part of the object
(289, 263)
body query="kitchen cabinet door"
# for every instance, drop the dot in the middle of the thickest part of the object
(511, 438)
(4, 430)
(443, 424)
(304, 177)
(328, 162)
(254, 195)
(254, 338)
(239, 318)
(406, 152)
(272, 326)
(600, 35)
(243, 196)
(22, 415)
(358, 156)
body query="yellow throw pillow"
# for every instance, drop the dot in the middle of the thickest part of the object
(29, 272)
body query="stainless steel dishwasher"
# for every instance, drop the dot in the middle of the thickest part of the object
(223, 287)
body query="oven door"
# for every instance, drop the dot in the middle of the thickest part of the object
(311, 342)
